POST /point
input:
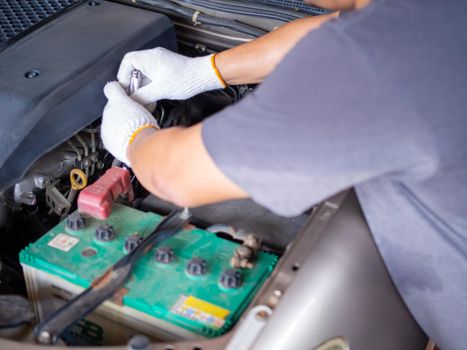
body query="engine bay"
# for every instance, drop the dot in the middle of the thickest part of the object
(38, 207)
(214, 284)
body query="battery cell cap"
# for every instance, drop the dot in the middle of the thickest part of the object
(197, 266)
(164, 255)
(231, 278)
(132, 242)
(105, 233)
(75, 221)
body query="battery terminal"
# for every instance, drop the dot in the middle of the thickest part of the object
(245, 255)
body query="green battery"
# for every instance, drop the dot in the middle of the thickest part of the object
(175, 291)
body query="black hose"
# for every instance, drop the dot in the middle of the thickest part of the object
(204, 19)
(241, 8)
(231, 24)
(297, 5)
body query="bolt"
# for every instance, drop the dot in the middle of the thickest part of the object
(277, 293)
(33, 73)
(139, 342)
(200, 47)
(44, 337)
(261, 315)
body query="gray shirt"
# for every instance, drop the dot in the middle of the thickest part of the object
(376, 99)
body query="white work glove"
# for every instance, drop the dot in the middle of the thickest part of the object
(168, 75)
(122, 119)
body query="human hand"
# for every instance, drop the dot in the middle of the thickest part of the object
(168, 75)
(122, 119)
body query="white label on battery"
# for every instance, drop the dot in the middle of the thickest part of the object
(199, 310)
(63, 242)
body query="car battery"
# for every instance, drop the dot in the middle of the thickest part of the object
(183, 288)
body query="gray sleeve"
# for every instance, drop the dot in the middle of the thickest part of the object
(319, 124)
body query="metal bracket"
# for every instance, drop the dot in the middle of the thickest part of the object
(55, 200)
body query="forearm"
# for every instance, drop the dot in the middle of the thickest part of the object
(174, 165)
(254, 61)
(146, 161)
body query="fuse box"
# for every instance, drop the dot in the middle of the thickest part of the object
(183, 288)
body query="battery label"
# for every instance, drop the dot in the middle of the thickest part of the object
(199, 310)
(63, 242)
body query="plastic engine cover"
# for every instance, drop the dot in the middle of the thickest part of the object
(52, 78)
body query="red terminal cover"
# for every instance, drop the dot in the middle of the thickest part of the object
(96, 199)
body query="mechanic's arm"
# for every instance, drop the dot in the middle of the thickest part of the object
(171, 163)
(174, 165)
(169, 75)
(254, 61)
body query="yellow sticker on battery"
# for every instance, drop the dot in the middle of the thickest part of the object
(199, 310)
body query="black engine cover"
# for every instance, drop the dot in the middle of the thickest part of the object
(52, 78)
